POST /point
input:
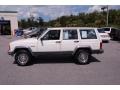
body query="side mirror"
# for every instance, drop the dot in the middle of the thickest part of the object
(41, 39)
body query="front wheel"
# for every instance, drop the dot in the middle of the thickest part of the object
(22, 57)
(82, 57)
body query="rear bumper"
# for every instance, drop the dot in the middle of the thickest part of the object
(100, 51)
(105, 39)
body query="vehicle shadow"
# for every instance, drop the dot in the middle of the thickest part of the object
(59, 59)
(117, 40)
(105, 41)
(93, 59)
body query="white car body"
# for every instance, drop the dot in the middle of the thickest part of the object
(104, 36)
(29, 30)
(65, 40)
(29, 42)
(107, 29)
(51, 45)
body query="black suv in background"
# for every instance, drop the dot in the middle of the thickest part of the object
(113, 32)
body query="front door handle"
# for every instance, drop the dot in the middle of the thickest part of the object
(76, 41)
(58, 41)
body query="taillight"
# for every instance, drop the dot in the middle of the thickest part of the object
(100, 45)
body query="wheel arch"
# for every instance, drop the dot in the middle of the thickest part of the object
(23, 48)
(82, 48)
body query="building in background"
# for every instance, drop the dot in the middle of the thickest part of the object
(8, 22)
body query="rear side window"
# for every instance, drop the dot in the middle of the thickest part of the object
(106, 29)
(101, 30)
(88, 34)
(70, 34)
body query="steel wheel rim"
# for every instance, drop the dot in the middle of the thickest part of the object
(83, 57)
(22, 59)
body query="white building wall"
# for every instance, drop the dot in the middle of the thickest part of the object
(13, 20)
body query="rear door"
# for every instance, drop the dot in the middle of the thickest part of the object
(69, 39)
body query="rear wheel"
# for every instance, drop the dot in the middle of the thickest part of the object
(22, 57)
(82, 57)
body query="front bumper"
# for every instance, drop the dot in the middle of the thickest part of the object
(100, 51)
(10, 53)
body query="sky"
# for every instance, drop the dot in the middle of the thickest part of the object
(50, 12)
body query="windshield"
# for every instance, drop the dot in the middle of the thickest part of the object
(101, 31)
(36, 33)
(41, 32)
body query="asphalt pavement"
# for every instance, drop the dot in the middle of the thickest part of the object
(104, 69)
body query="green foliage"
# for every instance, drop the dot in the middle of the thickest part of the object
(31, 22)
(95, 19)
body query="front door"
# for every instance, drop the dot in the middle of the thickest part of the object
(50, 42)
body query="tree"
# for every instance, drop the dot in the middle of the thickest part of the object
(40, 21)
(94, 19)
(22, 23)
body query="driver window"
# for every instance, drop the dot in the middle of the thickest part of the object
(52, 35)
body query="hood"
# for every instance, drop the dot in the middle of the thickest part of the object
(24, 41)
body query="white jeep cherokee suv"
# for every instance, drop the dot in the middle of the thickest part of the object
(80, 42)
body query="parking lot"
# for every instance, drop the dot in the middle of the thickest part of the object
(103, 68)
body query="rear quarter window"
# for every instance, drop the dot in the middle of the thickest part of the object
(88, 34)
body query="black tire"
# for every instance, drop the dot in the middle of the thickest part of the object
(23, 57)
(82, 57)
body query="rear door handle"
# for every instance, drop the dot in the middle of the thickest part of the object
(76, 41)
(58, 41)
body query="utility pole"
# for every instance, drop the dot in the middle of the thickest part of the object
(31, 17)
(107, 16)
(31, 14)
